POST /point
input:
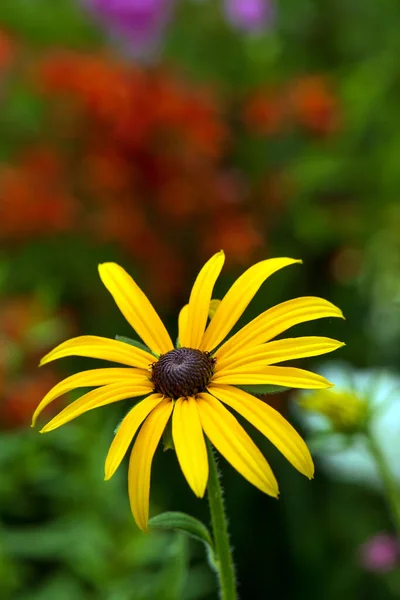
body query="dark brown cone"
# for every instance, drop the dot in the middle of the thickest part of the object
(182, 372)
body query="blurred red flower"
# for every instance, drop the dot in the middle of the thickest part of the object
(315, 104)
(28, 328)
(33, 200)
(265, 112)
(137, 158)
(7, 50)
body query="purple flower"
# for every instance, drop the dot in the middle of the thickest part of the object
(380, 554)
(140, 24)
(252, 16)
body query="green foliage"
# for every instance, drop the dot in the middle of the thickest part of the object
(182, 522)
(87, 543)
(46, 22)
(126, 340)
(329, 197)
(259, 390)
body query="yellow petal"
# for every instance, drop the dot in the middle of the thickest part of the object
(237, 299)
(99, 397)
(182, 321)
(93, 346)
(231, 440)
(213, 308)
(271, 424)
(276, 320)
(126, 432)
(190, 445)
(286, 376)
(141, 459)
(277, 352)
(91, 378)
(199, 302)
(135, 307)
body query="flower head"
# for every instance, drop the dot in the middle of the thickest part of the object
(194, 382)
(251, 16)
(380, 553)
(344, 410)
(370, 399)
(140, 23)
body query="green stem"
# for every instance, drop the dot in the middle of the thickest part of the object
(223, 554)
(388, 480)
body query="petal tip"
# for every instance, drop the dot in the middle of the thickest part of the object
(48, 427)
(103, 267)
(309, 469)
(292, 261)
(109, 471)
(199, 493)
(271, 489)
(339, 314)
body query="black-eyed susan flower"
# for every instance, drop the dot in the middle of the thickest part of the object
(196, 381)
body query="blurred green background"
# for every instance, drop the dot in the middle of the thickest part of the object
(199, 126)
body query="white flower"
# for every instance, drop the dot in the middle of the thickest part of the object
(347, 456)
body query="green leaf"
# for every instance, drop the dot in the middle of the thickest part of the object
(183, 522)
(126, 340)
(260, 390)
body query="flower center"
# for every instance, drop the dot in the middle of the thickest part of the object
(182, 372)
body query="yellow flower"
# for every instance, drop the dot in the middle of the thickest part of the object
(196, 381)
(345, 410)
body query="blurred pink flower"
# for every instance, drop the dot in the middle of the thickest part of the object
(380, 553)
(140, 24)
(252, 16)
